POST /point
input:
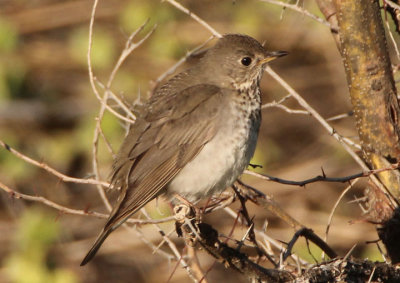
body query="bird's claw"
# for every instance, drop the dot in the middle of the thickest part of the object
(181, 212)
(186, 223)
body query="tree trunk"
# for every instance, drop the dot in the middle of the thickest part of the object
(360, 37)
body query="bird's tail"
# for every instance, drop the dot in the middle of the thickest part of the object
(97, 244)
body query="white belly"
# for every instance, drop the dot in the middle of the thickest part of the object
(218, 165)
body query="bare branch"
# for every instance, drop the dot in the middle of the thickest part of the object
(279, 104)
(195, 265)
(67, 210)
(108, 145)
(340, 116)
(291, 111)
(130, 46)
(336, 205)
(51, 170)
(267, 203)
(236, 260)
(352, 143)
(299, 9)
(174, 249)
(261, 233)
(95, 150)
(90, 69)
(321, 178)
(309, 235)
(396, 48)
(392, 4)
(195, 17)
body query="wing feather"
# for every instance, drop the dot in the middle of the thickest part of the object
(163, 149)
(160, 143)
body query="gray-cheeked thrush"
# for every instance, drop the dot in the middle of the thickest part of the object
(195, 135)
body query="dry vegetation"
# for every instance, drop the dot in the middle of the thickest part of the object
(48, 112)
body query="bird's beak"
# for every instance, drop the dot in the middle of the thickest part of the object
(272, 56)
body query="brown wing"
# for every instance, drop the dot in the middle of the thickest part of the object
(158, 146)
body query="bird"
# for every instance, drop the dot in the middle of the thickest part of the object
(195, 135)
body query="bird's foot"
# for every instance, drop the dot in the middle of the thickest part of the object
(182, 212)
(190, 211)
(186, 223)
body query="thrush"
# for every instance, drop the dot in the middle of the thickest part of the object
(195, 135)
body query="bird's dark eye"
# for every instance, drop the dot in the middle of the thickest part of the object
(246, 61)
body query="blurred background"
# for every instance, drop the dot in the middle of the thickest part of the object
(48, 110)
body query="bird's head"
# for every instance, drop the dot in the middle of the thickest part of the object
(237, 60)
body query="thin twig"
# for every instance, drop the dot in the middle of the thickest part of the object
(392, 4)
(51, 170)
(115, 113)
(157, 247)
(195, 17)
(90, 69)
(236, 260)
(396, 48)
(291, 111)
(381, 252)
(279, 104)
(95, 151)
(352, 143)
(275, 243)
(323, 178)
(139, 234)
(195, 264)
(174, 249)
(349, 252)
(267, 203)
(130, 46)
(299, 9)
(273, 103)
(308, 234)
(106, 141)
(340, 116)
(67, 210)
(335, 206)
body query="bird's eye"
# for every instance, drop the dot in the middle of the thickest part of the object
(246, 61)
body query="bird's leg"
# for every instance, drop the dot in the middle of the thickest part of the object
(187, 217)
(186, 210)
